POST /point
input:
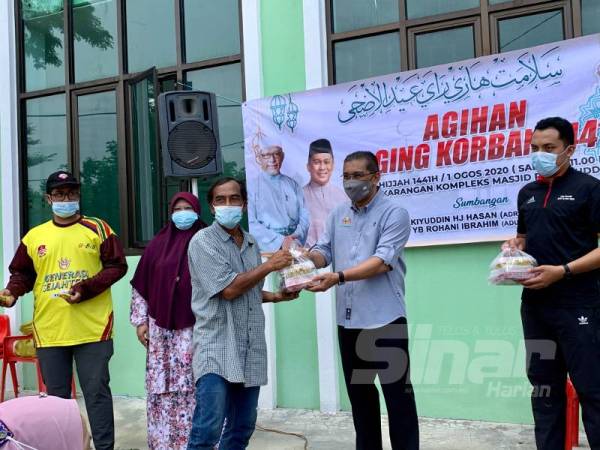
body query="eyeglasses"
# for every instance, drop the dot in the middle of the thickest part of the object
(60, 196)
(269, 156)
(356, 175)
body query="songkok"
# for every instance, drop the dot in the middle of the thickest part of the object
(319, 146)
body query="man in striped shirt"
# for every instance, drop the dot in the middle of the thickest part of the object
(230, 351)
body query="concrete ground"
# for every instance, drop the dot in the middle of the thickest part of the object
(335, 431)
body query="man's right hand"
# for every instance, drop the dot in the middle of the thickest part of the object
(515, 243)
(7, 299)
(280, 260)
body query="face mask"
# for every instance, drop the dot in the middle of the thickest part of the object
(228, 216)
(357, 190)
(184, 219)
(545, 163)
(65, 209)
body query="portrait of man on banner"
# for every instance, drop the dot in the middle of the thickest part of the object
(276, 214)
(320, 193)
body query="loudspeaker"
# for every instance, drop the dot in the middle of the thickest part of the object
(189, 134)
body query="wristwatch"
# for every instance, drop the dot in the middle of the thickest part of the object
(568, 274)
(342, 278)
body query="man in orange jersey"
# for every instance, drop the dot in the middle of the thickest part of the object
(70, 263)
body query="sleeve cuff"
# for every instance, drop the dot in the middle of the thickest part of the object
(386, 256)
(219, 287)
(324, 254)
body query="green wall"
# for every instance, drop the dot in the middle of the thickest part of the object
(478, 327)
(460, 326)
(296, 328)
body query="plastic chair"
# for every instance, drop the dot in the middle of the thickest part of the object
(572, 426)
(10, 359)
(4, 332)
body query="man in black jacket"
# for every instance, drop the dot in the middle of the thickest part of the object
(559, 222)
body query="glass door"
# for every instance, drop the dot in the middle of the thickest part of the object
(145, 157)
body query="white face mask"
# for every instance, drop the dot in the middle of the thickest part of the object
(228, 216)
(545, 163)
(65, 209)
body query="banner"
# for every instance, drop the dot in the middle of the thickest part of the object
(452, 141)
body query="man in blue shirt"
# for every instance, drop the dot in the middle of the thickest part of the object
(364, 240)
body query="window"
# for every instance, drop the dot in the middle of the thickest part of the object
(368, 38)
(95, 39)
(367, 57)
(98, 158)
(90, 72)
(45, 137)
(351, 15)
(444, 46)
(211, 29)
(150, 34)
(44, 41)
(424, 8)
(527, 31)
(590, 16)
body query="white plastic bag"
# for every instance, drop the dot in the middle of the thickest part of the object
(511, 267)
(300, 274)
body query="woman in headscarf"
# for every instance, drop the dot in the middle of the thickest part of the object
(42, 422)
(161, 312)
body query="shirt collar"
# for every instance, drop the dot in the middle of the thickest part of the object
(313, 185)
(544, 180)
(270, 178)
(369, 206)
(225, 236)
(65, 225)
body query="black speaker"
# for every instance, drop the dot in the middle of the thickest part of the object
(189, 133)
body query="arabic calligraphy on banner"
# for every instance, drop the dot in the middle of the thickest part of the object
(453, 141)
(453, 83)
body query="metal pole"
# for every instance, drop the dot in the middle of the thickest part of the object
(194, 182)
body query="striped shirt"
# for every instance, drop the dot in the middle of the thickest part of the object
(229, 335)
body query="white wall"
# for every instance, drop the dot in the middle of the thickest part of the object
(9, 166)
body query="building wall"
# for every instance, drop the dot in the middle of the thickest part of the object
(459, 324)
(447, 293)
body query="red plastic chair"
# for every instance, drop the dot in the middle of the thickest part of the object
(572, 428)
(10, 359)
(4, 332)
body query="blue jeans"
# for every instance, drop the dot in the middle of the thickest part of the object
(217, 399)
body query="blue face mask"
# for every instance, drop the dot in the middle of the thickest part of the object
(184, 219)
(545, 163)
(65, 209)
(228, 216)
